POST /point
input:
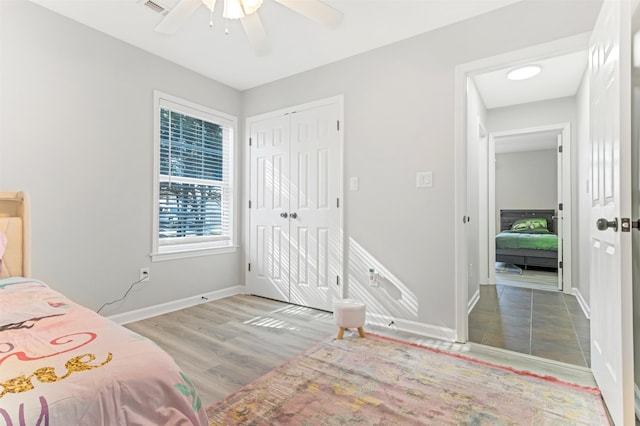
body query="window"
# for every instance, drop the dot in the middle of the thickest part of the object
(193, 190)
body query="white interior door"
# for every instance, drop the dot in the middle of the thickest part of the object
(559, 213)
(295, 252)
(269, 224)
(315, 220)
(610, 295)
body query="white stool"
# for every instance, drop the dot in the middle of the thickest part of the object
(349, 313)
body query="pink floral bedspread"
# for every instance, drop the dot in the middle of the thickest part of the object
(63, 364)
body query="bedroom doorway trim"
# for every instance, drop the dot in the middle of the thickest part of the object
(563, 131)
(462, 73)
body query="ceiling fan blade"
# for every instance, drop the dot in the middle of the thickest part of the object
(178, 16)
(315, 10)
(255, 33)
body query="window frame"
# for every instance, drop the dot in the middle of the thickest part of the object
(187, 249)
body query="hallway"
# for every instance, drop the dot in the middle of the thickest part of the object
(547, 324)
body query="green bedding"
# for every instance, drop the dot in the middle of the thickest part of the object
(520, 240)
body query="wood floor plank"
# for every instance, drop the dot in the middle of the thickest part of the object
(225, 344)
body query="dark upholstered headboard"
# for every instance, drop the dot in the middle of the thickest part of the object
(507, 217)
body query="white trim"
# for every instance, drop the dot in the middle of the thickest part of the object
(462, 72)
(474, 300)
(174, 255)
(174, 305)
(502, 353)
(246, 238)
(637, 394)
(491, 205)
(484, 202)
(583, 303)
(421, 329)
(461, 274)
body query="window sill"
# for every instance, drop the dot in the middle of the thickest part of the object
(184, 254)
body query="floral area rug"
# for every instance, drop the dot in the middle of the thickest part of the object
(379, 381)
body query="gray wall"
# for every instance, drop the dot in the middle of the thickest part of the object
(526, 180)
(399, 119)
(582, 240)
(91, 188)
(76, 134)
(477, 194)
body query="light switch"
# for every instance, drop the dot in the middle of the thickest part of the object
(354, 184)
(424, 179)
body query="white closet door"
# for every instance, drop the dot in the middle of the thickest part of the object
(315, 221)
(295, 236)
(269, 229)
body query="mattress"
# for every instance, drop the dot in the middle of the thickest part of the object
(519, 240)
(63, 364)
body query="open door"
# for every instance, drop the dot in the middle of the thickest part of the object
(559, 218)
(610, 140)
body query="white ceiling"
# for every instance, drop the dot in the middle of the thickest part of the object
(297, 44)
(560, 77)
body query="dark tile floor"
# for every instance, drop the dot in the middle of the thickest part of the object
(547, 324)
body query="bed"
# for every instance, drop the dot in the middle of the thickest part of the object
(63, 364)
(527, 238)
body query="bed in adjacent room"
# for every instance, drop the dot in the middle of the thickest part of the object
(527, 238)
(63, 364)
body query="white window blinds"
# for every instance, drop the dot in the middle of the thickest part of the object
(194, 181)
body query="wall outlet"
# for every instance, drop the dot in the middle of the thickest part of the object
(144, 274)
(373, 277)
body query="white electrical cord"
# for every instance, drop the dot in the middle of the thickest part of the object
(146, 276)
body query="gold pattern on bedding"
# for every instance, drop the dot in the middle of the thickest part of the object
(48, 374)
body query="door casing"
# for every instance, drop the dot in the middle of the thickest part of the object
(487, 252)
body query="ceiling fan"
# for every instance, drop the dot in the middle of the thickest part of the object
(246, 11)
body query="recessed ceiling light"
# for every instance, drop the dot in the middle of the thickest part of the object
(522, 73)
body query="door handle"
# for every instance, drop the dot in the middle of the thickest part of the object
(284, 215)
(604, 224)
(293, 215)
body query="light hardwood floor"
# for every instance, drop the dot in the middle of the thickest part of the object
(225, 344)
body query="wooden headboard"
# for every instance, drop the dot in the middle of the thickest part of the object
(14, 223)
(507, 217)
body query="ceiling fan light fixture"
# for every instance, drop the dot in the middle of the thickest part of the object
(233, 9)
(210, 4)
(525, 72)
(250, 6)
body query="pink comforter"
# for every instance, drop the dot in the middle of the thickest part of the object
(63, 364)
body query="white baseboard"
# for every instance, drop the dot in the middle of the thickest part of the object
(583, 303)
(175, 305)
(426, 330)
(472, 303)
(637, 392)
